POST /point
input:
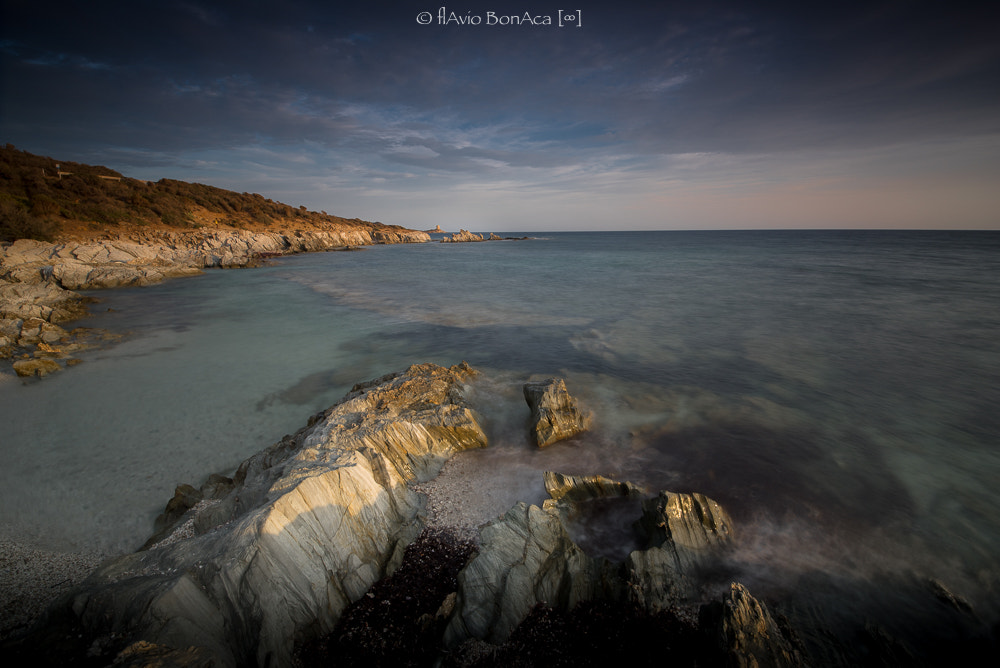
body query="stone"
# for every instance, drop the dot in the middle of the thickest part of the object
(746, 634)
(308, 526)
(693, 523)
(462, 236)
(527, 558)
(579, 488)
(35, 367)
(554, 413)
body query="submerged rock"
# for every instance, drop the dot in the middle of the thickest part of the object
(308, 526)
(554, 413)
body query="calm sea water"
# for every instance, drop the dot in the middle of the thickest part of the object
(837, 392)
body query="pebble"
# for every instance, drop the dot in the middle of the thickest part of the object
(30, 579)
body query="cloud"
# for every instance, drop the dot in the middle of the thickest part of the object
(722, 99)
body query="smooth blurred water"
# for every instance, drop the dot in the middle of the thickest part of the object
(836, 391)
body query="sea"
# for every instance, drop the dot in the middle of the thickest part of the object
(837, 392)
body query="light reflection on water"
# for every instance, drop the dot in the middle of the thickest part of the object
(835, 391)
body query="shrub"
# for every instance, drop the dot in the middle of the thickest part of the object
(17, 223)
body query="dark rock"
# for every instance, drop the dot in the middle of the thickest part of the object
(746, 634)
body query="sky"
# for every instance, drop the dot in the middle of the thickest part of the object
(491, 116)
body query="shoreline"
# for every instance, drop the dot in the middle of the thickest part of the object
(39, 280)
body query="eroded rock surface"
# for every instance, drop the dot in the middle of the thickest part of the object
(579, 488)
(462, 236)
(746, 634)
(554, 413)
(527, 559)
(308, 526)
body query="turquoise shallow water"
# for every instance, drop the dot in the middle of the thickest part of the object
(836, 391)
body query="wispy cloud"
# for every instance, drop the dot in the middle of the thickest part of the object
(647, 105)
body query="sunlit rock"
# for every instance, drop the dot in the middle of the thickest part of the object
(527, 558)
(308, 526)
(462, 236)
(580, 488)
(36, 367)
(554, 413)
(745, 633)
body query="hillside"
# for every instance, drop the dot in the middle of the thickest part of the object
(47, 199)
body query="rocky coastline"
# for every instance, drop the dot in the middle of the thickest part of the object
(325, 547)
(39, 280)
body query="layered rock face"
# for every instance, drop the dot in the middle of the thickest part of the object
(527, 558)
(745, 633)
(304, 528)
(38, 279)
(554, 413)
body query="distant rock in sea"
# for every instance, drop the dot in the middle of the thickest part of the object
(463, 236)
(554, 413)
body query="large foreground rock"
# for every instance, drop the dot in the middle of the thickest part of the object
(528, 558)
(554, 413)
(305, 527)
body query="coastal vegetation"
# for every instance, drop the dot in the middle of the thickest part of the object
(44, 198)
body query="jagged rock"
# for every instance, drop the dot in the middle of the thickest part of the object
(527, 558)
(746, 635)
(35, 367)
(494, 237)
(399, 236)
(690, 524)
(554, 414)
(579, 488)
(462, 236)
(310, 525)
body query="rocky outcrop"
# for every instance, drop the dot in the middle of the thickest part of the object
(462, 236)
(746, 635)
(527, 558)
(554, 413)
(580, 488)
(38, 280)
(303, 528)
